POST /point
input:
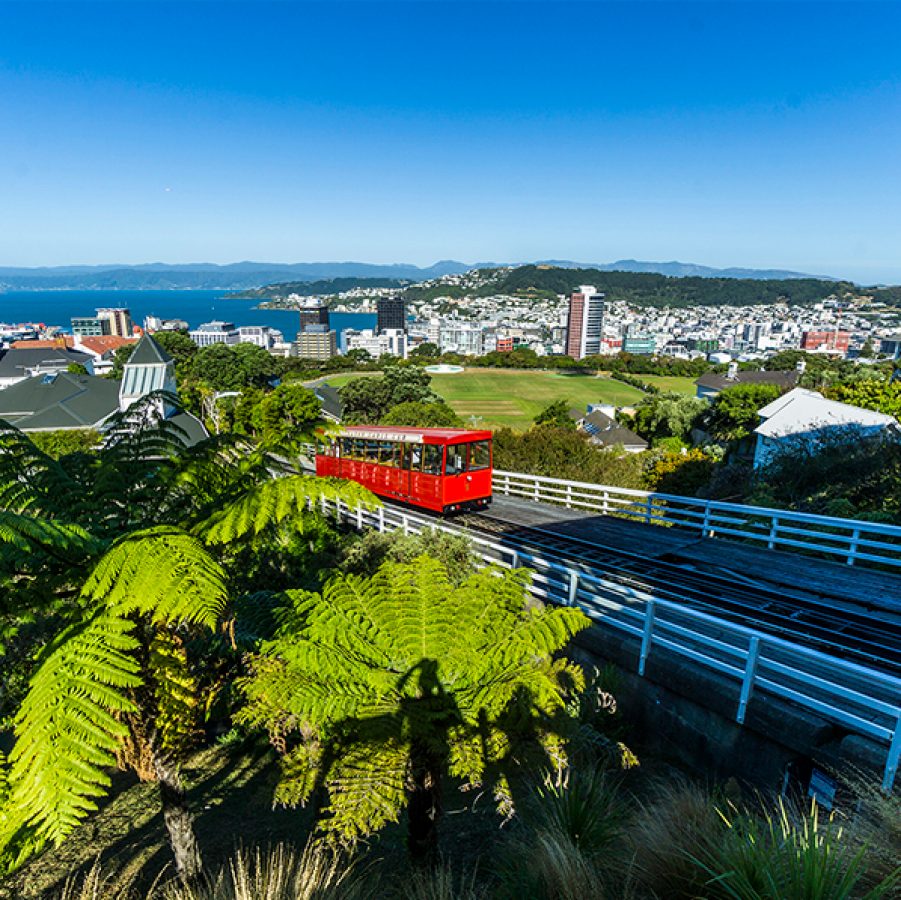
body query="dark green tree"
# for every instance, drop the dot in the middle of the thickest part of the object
(733, 415)
(416, 414)
(556, 414)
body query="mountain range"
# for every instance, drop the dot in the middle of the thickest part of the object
(244, 275)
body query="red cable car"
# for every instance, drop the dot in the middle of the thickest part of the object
(442, 469)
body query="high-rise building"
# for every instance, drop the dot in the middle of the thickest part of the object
(585, 324)
(391, 313)
(118, 319)
(315, 342)
(313, 312)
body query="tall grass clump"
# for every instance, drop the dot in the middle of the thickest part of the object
(783, 854)
(665, 835)
(277, 873)
(441, 883)
(568, 843)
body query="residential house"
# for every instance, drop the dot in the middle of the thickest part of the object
(603, 429)
(19, 364)
(803, 419)
(711, 384)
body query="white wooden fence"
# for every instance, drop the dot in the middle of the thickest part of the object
(863, 700)
(849, 540)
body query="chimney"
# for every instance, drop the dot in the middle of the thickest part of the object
(732, 371)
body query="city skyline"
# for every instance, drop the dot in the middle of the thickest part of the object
(755, 135)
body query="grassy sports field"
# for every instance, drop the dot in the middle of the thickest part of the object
(671, 383)
(496, 397)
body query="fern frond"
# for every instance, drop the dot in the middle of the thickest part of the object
(26, 534)
(275, 501)
(163, 573)
(67, 730)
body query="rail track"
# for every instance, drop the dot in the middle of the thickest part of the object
(841, 628)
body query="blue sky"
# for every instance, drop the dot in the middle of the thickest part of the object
(731, 133)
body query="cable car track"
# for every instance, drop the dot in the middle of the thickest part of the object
(818, 622)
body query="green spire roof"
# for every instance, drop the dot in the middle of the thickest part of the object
(148, 353)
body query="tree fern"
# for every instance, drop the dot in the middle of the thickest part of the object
(67, 730)
(163, 573)
(275, 501)
(377, 686)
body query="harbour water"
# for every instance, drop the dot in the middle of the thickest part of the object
(195, 307)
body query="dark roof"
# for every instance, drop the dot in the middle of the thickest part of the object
(604, 430)
(14, 362)
(784, 380)
(59, 401)
(193, 428)
(330, 399)
(148, 353)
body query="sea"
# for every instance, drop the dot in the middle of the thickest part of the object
(195, 307)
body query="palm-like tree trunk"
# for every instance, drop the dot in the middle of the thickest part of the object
(177, 817)
(424, 809)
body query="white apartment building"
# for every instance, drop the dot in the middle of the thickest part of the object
(392, 341)
(585, 324)
(261, 335)
(464, 338)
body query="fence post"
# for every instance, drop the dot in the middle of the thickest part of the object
(605, 501)
(381, 518)
(359, 517)
(747, 684)
(514, 559)
(573, 586)
(647, 637)
(705, 527)
(647, 510)
(537, 491)
(405, 524)
(891, 762)
(852, 550)
(569, 496)
(774, 529)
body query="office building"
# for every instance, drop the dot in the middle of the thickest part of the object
(216, 332)
(90, 326)
(315, 342)
(826, 341)
(313, 312)
(391, 313)
(585, 323)
(118, 321)
(464, 338)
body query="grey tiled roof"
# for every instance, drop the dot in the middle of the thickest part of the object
(53, 402)
(784, 380)
(15, 361)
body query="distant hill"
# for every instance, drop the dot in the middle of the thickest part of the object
(651, 289)
(323, 287)
(245, 275)
(209, 276)
(683, 270)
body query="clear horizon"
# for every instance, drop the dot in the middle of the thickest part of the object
(748, 135)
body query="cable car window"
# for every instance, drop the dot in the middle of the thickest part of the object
(371, 453)
(431, 459)
(389, 453)
(479, 455)
(413, 457)
(456, 459)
